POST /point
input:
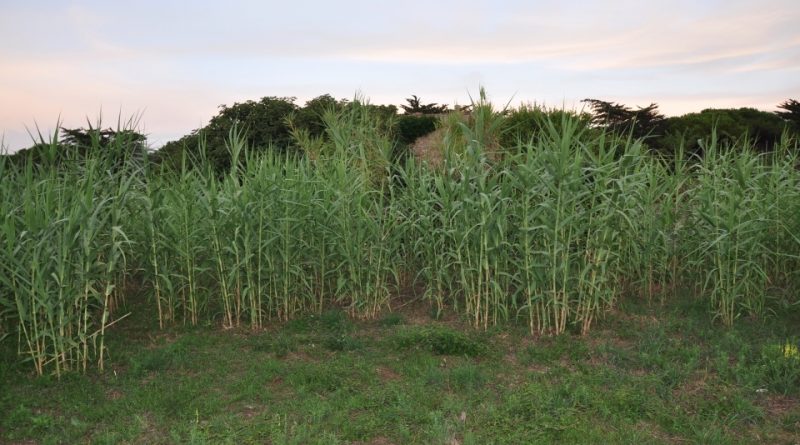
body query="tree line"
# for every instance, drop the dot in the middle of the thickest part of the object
(275, 123)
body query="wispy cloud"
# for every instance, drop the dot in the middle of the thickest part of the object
(178, 63)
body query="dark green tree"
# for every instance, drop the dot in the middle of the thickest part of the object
(791, 112)
(268, 125)
(761, 128)
(263, 121)
(415, 106)
(309, 117)
(116, 147)
(642, 122)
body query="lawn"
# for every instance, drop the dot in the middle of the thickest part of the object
(647, 373)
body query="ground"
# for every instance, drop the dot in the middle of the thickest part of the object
(645, 374)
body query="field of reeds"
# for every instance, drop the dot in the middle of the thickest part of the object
(550, 233)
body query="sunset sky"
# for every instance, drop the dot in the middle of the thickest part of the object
(175, 62)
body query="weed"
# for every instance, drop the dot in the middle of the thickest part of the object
(780, 364)
(440, 340)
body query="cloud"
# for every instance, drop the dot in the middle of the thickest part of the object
(723, 41)
(581, 36)
(179, 63)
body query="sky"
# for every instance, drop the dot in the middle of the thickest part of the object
(170, 64)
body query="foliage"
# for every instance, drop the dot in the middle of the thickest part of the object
(528, 123)
(791, 112)
(780, 364)
(473, 134)
(410, 127)
(272, 124)
(551, 234)
(63, 254)
(360, 136)
(116, 147)
(441, 341)
(415, 106)
(264, 122)
(310, 116)
(618, 118)
(730, 126)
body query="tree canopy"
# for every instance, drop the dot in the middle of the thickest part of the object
(274, 123)
(529, 122)
(415, 106)
(762, 128)
(791, 111)
(116, 146)
(641, 122)
(267, 124)
(264, 122)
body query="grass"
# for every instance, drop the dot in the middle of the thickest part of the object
(645, 374)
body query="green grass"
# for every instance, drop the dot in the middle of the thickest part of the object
(645, 374)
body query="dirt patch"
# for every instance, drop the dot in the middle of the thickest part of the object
(161, 339)
(386, 374)
(777, 405)
(418, 314)
(638, 372)
(380, 440)
(150, 432)
(694, 387)
(300, 356)
(538, 368)
(653, 429)
(511, 359)
(640, 320)
(428, 148)
(598, 339)
(249, 411)
(113, 394)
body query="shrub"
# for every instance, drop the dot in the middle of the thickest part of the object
(410, 127)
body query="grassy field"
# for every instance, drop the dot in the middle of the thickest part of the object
(645, 374)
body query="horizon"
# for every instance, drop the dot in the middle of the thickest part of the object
(175, 66)
(35, 131)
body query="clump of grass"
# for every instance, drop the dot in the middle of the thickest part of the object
(392, 319)
(159, 358)
(341, 342)
(467, 377)
(335, 321)
(550, 351)
(335, 327)
(780, 365)
(440, 340)
(63, 245)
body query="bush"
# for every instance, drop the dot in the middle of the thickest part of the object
(763, 128)
(410, 127)
(528, 123)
